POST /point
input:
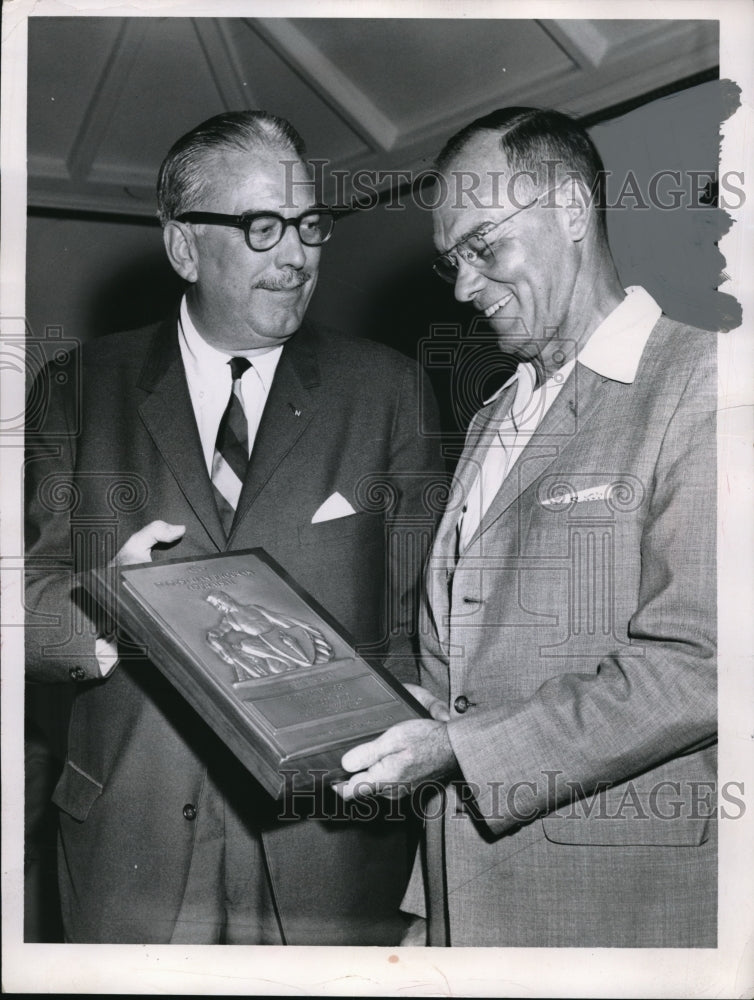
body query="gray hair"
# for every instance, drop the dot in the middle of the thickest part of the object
(183, 177)
(530, 137)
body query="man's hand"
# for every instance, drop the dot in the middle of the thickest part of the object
(137, 549)
(434, 706)
(399, 760)
(139, 546)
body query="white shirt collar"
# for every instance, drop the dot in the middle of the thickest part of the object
(615, 348)
(212, 363)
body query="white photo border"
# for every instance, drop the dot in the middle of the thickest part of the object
(725, 971)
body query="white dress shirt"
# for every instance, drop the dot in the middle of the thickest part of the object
(613, 350)
(209, 383)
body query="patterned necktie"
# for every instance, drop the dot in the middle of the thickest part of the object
(231, 449)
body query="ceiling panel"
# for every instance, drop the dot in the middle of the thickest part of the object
(169, 82)
(281, 88)
(107, 96)
(619, 32)
(61, 83)
(413, 68)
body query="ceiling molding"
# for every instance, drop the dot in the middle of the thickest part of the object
(581, 41)
(95, 198)
(105, 97)
(224, 63)
(340, 92)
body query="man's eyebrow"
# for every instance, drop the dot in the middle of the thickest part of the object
(469, 232)
(279, 211)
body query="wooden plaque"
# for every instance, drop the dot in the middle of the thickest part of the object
(268, 669)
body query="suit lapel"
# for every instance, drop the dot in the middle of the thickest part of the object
(483, 424)
(443, 559)
(574, 406)
(290, 407)
(565, 419)
(169, 417)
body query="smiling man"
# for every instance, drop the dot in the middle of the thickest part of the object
(569, 617)
(235, 424)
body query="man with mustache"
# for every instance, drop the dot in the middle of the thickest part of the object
(569, 623)
(164, 837)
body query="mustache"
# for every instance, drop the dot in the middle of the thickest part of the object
(287, 281)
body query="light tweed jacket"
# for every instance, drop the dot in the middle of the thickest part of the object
(575, 645)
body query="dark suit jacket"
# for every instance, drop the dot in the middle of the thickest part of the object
(119, 448)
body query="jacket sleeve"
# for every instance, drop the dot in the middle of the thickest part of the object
(61, 625)
(415, 490)
(634, 712)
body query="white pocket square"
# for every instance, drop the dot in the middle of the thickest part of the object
(592, 493)
(335, 506)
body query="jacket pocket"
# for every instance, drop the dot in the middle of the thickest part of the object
(658, 818)
(342, 529)
(76, 791)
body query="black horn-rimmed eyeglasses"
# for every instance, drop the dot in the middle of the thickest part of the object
(264, 230)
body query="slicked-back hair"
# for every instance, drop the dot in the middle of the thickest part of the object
(530, 137)
(186, 170)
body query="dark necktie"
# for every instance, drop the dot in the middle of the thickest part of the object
(231, 449)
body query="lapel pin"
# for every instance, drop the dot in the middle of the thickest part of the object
(296, 411)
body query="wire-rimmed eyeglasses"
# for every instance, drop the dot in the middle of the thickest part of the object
(474, 248)
(264, 230)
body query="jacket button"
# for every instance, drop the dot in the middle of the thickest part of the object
(189, 811)
(77, 673)
(461, 703)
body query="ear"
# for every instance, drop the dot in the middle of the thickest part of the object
(181, 250)
(574, 195)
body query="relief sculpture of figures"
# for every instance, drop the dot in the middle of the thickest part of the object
(257, 642)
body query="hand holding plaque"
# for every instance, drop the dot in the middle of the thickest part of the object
(272, 673)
